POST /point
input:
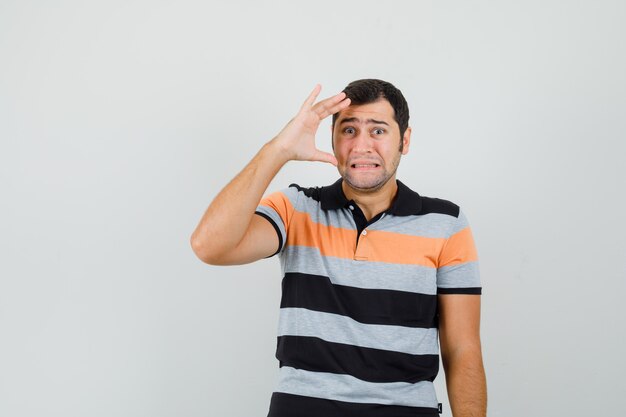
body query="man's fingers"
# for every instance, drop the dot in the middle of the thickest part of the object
(326, 107)
(325, 157)
(310, 100)
(328, 110)
(331, 105)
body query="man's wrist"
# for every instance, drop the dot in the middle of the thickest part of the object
(277, 151)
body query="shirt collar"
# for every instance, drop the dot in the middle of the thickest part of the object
(405, 203)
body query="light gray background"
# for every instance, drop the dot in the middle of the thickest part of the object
(121, 120)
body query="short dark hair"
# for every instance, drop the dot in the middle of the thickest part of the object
(369, 90)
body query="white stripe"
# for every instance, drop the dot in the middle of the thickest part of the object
(348, 388)
(341, 329)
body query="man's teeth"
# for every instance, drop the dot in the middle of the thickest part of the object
(365, 165)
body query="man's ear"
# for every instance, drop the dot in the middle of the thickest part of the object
(406, 140)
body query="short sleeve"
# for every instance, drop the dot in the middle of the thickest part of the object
(457, 270)
(278, 208)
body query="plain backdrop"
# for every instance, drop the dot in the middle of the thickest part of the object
(121, 120)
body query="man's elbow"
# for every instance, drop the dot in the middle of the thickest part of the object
(467, 354)
(205, 253)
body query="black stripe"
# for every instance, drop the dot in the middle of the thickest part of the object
(367, 364)
(370, 306)
(290, 405)
(280, 236)
(468, 290)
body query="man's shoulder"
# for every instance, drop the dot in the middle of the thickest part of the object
(326, 197)
(439, 206)
(409, 201)
(313, 192)
(424, 204)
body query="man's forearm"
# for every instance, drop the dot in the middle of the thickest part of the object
(225, 221)
(466, 383)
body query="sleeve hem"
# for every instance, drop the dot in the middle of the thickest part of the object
(468, 290)
(280, 236)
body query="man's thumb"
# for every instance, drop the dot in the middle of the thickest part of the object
(325, 157)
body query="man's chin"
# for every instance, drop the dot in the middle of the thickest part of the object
(365, 186)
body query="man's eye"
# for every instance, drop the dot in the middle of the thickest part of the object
(349, 130)
(379, 131)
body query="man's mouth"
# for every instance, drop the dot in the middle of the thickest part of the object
(364, 166)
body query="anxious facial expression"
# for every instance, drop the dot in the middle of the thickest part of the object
(366, 141)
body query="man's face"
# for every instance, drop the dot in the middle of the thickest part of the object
(366, 140)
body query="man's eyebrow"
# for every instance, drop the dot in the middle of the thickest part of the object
(356, 119)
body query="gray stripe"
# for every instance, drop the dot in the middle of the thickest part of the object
(459, 276)
(374, 275)
(277, 219)
(348, 388)
(336, 218)
(461, 223)
(292, 195)
(431, 225)
(341, 329)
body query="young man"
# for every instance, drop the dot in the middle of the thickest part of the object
(375, 276)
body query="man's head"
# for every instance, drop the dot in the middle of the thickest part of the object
(369, 90)
(371, 134)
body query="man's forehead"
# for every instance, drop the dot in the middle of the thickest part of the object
(378, 110)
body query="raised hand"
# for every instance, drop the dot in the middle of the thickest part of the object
(297, 139)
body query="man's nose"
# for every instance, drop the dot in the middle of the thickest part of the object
(363, 142)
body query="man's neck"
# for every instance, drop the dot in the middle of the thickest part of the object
(372, 203)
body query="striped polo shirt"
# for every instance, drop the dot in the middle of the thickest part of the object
(357, 330)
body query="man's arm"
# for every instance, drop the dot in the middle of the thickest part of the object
(459, 335)
(229, 232)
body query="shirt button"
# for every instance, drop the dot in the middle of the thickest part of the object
(351, 207)
(364, 232)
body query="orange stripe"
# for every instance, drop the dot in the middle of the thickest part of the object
(404, 249)
(331, 241)
(375, 246)
(281, 204)
(460, 248)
